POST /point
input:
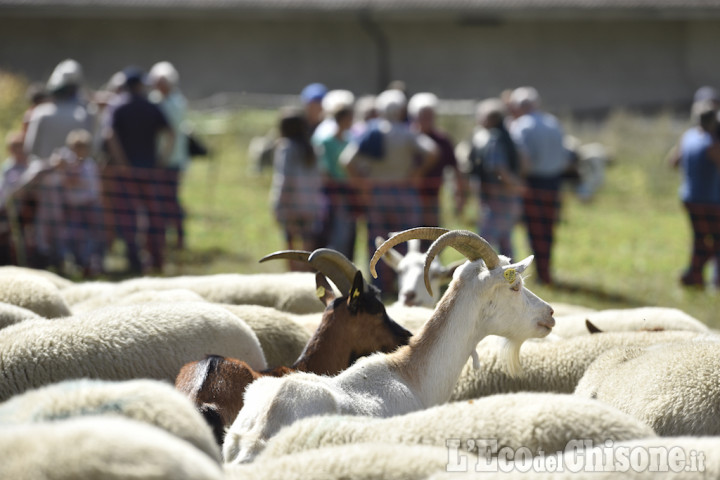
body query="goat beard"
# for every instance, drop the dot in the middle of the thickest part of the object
(511, 355)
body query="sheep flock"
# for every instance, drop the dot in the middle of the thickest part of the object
(495, 383)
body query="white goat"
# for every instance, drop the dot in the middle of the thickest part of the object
(410, 274)
(486, 297)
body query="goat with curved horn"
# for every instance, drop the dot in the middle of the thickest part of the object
(422, 233)
(470, 244)
(330, 263)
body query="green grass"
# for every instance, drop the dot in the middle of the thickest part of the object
(626, 248)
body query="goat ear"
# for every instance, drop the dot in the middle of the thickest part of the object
(520, 266)
(392, 257)
(324, 290)
(356, 291)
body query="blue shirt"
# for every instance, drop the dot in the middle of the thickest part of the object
(701, 179)
(540, 137)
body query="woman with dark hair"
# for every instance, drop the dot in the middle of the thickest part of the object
(296, 192)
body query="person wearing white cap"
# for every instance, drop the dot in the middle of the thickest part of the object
(386, 165)
(422, 110)
(48, 128)
(166, 93)
(539, 138)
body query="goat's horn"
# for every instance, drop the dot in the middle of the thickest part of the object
(335, 266)
(470, 244)
(422, 233)
(299, 255)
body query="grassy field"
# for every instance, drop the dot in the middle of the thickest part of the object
(626, 248)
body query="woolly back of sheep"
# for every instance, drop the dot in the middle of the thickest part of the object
(119, 343)
(541, 422)
(548, 366)
(147, 401)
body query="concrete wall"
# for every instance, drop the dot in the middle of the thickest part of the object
(574, 64)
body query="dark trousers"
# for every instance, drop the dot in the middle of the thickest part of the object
(705, 223)
(541, 212)
(137, 208)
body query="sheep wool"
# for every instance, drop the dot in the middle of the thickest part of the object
(33, 293)
(78, 293)
(100, 448)
(121, 343)
(12, 314)
(548, 366)
(292, 292)
(13, 270)
(148, 401)
(673, 388)
(361, 461)
(628, 319)
(282, 338)
(541, 422)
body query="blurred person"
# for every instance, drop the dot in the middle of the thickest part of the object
(422, 111)
(296, 191)
(15, 214)
(82, 203)
(383, 167)
(539, 138)
(167, 95)
(311, 98)
(340, 225)
(137, 127)
(47, 130)
(36, 94)
(365, 114)
(331, 102)
(496, 163)
(699, 153)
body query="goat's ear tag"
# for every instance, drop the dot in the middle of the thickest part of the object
(355, 293)
(320, 292)
(510, 275)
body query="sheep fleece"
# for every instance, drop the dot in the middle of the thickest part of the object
(120, 343)
(542, 422)
(674, 388)
(148, 401)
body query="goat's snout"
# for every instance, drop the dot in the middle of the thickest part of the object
(409, 298)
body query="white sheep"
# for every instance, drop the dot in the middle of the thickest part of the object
(33, 293)
(674, 388)
(362, 461)
(666, 458)
(118, 343)
(541, 422)
(487, 296)
(159, 296)
(148, 401)
(78, 293)
(282, 338)
(628, 319)
(410, 274)
(13, 270)
(292, 291)
(549, 366)
(12, 314)
(100, 447)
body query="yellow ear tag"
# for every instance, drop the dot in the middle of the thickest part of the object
(320, 292)
(356, 294)
(510, 275)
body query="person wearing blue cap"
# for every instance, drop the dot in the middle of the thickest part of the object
(137, 126)
(312, 96)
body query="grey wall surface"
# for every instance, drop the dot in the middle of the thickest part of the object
(575, 65)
